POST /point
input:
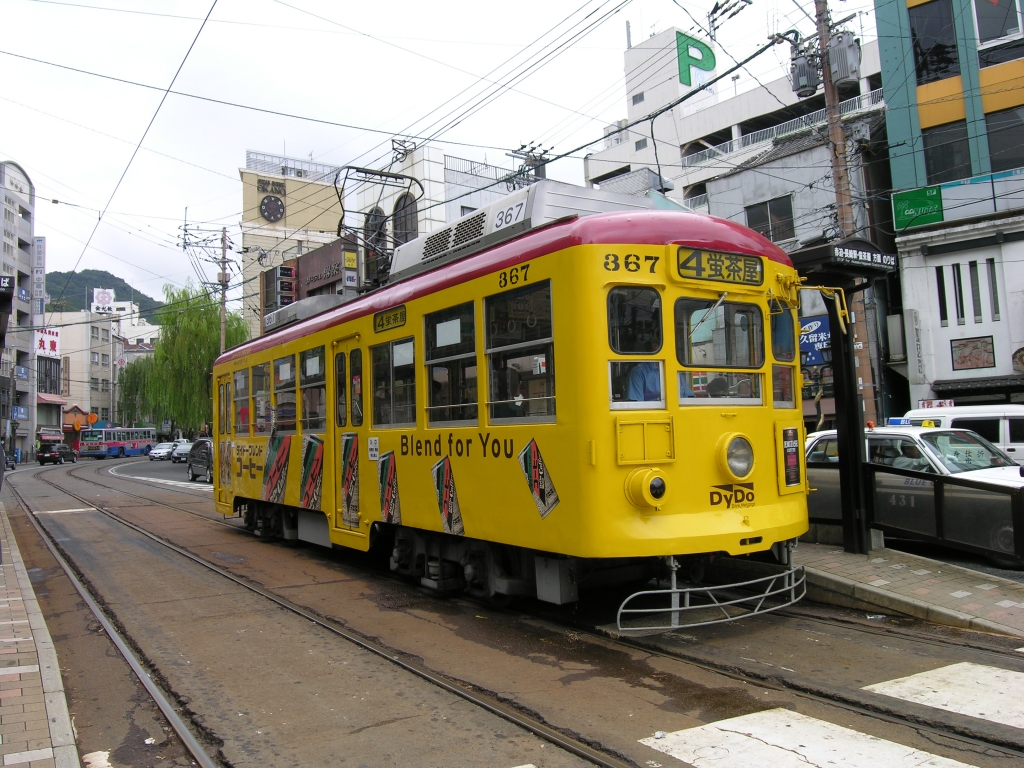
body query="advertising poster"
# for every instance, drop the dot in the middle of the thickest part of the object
(387, 480)
(537, 478)
(312, 471)
(447, 499)
(350, 479)
(275, 472)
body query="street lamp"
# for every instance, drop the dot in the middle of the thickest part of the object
(817, 374)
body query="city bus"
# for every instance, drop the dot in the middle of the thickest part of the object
(117, 441)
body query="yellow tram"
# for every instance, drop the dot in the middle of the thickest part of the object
(569, 402)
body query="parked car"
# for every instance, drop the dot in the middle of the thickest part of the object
(180, 452)
(55, 453)
(1001, 425)
(161, 451)
(200, 460)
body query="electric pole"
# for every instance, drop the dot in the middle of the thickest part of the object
(222, 278)
(836, 137)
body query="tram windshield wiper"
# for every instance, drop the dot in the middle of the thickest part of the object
(708, 314)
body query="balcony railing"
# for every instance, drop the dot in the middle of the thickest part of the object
(846, 108)
(696, 203)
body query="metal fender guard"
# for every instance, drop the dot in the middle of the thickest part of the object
(700, 606)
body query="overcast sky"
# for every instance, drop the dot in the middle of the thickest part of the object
(388, 66)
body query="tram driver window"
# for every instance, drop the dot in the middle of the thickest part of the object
(713, 337)
(634, 328)
(261, 397)
(450, 340)
(313, 386)
(242, 402)
(394, 384)
(284, 395)
(520, 355)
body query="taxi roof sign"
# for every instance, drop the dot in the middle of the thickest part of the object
(897, 422)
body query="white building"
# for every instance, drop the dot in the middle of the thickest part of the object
(90, 348)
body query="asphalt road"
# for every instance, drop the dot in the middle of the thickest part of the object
(272, 689)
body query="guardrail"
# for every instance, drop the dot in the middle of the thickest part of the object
(818, 117)
(969, 515)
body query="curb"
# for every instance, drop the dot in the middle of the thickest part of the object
(62, 735)
(836, 590)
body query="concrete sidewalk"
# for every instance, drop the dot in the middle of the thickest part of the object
(35, 728)
(915, 586)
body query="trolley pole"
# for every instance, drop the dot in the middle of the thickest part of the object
(222, 278)
(836, 137)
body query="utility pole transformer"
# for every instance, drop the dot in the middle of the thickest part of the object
(222, 278)
(837, 139)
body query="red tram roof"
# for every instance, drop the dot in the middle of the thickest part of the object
(629, 227)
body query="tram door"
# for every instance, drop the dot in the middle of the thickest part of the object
(348, 421)
(222, 440)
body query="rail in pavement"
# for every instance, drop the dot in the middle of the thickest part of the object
(915, 586)
(35, 727)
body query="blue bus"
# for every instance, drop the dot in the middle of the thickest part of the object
(116, 441)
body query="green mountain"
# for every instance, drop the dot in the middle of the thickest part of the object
(79, 287)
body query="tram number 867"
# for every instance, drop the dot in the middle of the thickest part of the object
(631, 261)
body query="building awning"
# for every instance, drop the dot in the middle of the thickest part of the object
(1013, 382)
(44, 399)
(49, 438)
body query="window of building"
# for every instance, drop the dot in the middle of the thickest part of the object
(242, 402)
(947, 156)
(641, 144)
(94, 385)
(405, 219)
(730, 334)
(284, 395)
(520, 354)
(105, 334)
(975, 290)
(341, 387)
(95, 410)
(465, 210)
(104, 385)
(996, 18)
(313, 386)
(394, 383)
(634, 321)
(773, 219)
(992, 288)
(105, 414)
(934, 41)
(261, 397)
(94, 332)
(638, 98)
(355, 360)
(450, 340)
(105, 360)
(1006, 139)
(940, 283)
(958, 295)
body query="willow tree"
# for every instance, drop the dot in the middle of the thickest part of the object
(175, 383)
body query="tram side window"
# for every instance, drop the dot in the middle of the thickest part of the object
(520, 354)
(313, 385)
(783, 330)
(284, 395)
(341, 384)
(220, 409)
(450, 338)
(242, 402)
(227, 408)
(394, 383)
(355, 359)
(261, 397)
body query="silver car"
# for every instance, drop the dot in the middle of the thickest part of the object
(180, 452)
(161, 451)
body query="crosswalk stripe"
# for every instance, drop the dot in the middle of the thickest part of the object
(969, 689)
(783, 739)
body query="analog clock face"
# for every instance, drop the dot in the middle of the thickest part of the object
(272, 208)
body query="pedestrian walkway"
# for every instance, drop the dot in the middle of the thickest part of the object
(35, 728)
(887, 579)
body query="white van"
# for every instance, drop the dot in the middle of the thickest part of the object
(1001, 425)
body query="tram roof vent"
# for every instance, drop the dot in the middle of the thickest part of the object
(302, 310)
(518, 212)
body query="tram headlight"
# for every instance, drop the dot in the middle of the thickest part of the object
(736, 454)
(646, 488)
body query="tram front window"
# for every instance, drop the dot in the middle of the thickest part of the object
(727, 334)
(520, 354)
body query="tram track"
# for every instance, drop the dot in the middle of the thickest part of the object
(510, 710)
(507, 710)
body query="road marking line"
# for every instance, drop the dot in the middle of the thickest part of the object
(975, 690)
(783, 739)
(64, 511)
(180, 483)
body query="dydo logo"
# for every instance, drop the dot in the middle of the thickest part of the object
(736, 495)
